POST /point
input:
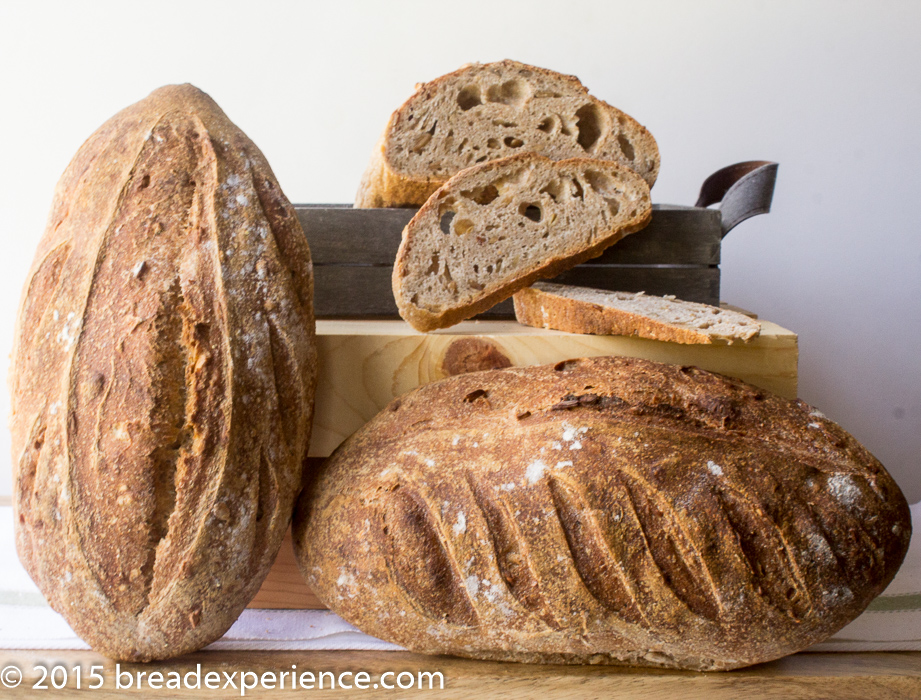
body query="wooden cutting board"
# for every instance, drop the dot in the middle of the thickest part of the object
(366, 364)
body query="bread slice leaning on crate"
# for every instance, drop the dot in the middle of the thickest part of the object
(600, 312)
(497, 227)
(488, 111)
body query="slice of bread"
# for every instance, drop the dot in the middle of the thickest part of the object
(599, 312)
(485, 112)
(497, 227)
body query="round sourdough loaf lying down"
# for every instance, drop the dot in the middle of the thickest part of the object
(483, 112)
(606, 510)
(583, 310)
(162, 380)
(497, 227)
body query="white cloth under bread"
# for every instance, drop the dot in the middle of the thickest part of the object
(891, 623)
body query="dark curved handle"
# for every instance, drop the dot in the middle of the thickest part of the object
(744, 190)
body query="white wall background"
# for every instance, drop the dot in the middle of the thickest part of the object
(830, 89)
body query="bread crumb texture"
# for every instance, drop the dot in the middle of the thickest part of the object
(498, 227)
(484, 112)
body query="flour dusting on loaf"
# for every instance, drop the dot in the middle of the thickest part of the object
(614, 510)
(162, 380)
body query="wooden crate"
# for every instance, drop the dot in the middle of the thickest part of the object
(353, 252)
(677, 253)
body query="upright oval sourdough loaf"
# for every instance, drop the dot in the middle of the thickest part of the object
(163, 379)
(609, 510)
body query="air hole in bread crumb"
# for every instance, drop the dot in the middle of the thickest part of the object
(480, 159)
(512, 92)
(469, 97)
(588, 121)
(145, 182)
(462, 226)
(436, 263)
(577, 190)
(626, 146)
(553, 189)
(445, 223)
(481, 195)
(549, 124)
(492, 143)
(530, 211)
(512, 142)
(613, 205)
(422, 140)
(602, 183)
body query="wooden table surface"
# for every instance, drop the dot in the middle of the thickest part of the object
(874, 676)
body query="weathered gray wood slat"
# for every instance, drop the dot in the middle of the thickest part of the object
(351, 291)
(354, 250)
(341, 235)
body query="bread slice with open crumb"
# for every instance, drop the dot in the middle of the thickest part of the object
(599, 312)
(497, 227)
(488, 111)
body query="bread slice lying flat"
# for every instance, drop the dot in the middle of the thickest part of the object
(582, 310)
(498, 227)
(490, 111)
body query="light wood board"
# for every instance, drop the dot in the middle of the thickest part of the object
(366, 364)
(877, 676)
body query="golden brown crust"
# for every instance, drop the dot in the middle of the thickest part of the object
(550, 306)
(384, 184)
(382, 187)
(604, 510)
(162, 380)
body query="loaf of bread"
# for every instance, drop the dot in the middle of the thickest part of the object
(483, 112)
(162, 380)
(497, 227)
(600, 312)
(606, 510)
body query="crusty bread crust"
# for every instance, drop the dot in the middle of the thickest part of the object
(619, 137)
(589, 232)
(381, 187)
(581, 310)
(604, 510)
(162, 380)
